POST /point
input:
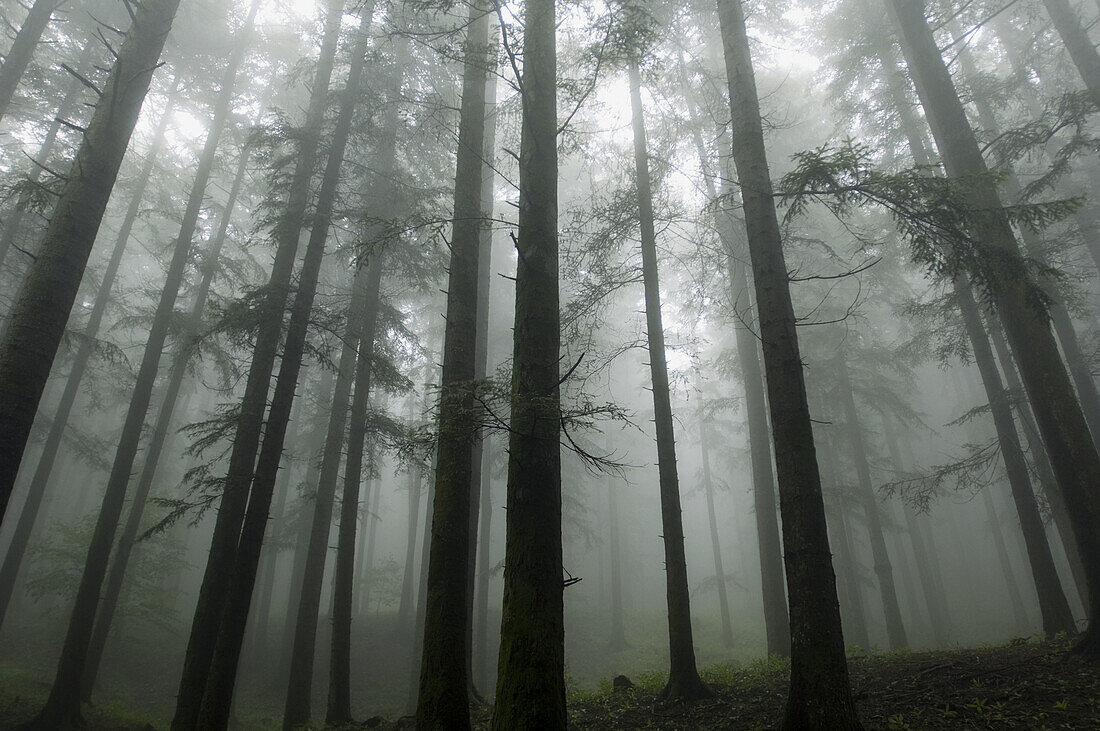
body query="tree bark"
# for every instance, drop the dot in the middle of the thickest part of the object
(443, 702)
(178, 372)
(17, 548)
(218, 694)
(684, 683)
(531, 667)
(820, 694)
(242, 459)
(1081, 49)
(895, 629)
(1061, 421)
(1023, 624)
(339, 695)
(851, 588)
(38, 320)
(22, 49)
(63, 705)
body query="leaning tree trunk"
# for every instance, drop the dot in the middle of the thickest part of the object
(38, 320)
(684, 683)
(17, 548)
(63, 704)
(339, 694)
(715, 544)
(820, 694)
(299, 692)
(14, 219)
(530, 689)
(773, 592)
(1061, 421)
(443, 701)
(17, 59)
(895, 629)
(242, 459)
(1053, 605)
(1081, 49)
(113, 589)
(221, 677)
(1023, 624)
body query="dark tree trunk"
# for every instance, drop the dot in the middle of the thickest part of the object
(406, 611)
(14, 219)
(777, 626)
(684, 683)
(38, 320)
(444, 681)
(17, 548)
(895, 630)
(299, 692)
(242, 459)
(531, 666)
(339, 694)
(417, 653)
(1042, 463)
(67, 691)
(1081, 49)
(1061, 421)
(715, 544)
(221, 677)
(820, 694)
(178, 372)
(17, 59)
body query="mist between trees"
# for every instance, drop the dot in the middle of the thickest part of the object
(428, 359)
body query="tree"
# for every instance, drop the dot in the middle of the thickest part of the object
(17, 58)
(1061, 421)
(820, 694)
(530, 689)
(444, 681)
(684, 683)
(223, 543)
(38, 321)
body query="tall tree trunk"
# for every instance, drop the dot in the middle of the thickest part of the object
(242, 458)
(715, 544)
(299, 692)
(476, 573)
(416, 656)
(178, 372)
(531, 666)
(1055, 610)
(773, 593)
(339, 694)
(17, 549)
(820, 694)
(38, 320)
(684, 683)
(14, 219)
(895, 629)
(444, 681)
(1081, 49)
(22, 49)
(406, 611)
(923, 554)
(1061, 421)
(1041, 462)
(63, 704)
(218, 694)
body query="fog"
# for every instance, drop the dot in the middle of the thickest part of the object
(318, 316)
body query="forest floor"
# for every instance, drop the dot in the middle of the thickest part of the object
(1022, 684)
